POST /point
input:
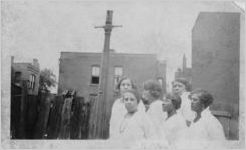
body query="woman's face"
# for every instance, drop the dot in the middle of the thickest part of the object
(125, 85)
(196, 104)
(167, 105)
(146, 97)
(178, 88)
(130, 101)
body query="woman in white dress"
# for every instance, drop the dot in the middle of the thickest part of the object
(118, 108)
(205, 125)
(152, 96)
(175, 123)
(135, 126)
(205, 131)
(182, 87)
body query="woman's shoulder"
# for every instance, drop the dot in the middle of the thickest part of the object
(117, 105)
(158, 102)
(185, 95)
(157, 105)
(213, 121)
(117, 101)
(180, 120)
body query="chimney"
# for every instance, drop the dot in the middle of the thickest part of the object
(12, 60)
(35, 63)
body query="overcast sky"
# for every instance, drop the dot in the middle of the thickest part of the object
(42, 30)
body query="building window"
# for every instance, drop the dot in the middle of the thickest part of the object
(160, 80)
(95, 74)
(118, 72)
(32, 81)
(17, 77)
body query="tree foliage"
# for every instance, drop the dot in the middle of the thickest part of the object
(47, 79)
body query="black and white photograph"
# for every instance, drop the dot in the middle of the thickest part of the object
(104, 74)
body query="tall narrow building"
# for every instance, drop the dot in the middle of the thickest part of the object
(215, 63)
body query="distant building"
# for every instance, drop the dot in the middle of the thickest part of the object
(215, 62)
(185, 72)
(29, 72)
(81, 71)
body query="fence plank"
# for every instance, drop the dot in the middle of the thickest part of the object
(15, 111)
(54, 121)
(31, 115)
(76, 117)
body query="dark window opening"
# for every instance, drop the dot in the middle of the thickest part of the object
(94, 80)
(118, 72)
(17, 77)
(95, 75)
(32, 79)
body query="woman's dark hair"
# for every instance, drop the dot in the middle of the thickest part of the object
(204, 96)
(122, 79)
(176, 100)
(135, 93)
(184, 82)
(154, 87)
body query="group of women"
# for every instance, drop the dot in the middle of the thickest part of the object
(172, 119)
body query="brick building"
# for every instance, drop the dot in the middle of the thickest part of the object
(26, 71)
(215, 62)
(81, 71)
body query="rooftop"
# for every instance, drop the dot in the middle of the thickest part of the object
(79, 54)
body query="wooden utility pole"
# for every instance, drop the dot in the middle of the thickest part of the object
(99, 121)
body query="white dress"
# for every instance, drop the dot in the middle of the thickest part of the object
(173, 127)
(185, 108)
(207, 128)
(117, 113)
(134, 129)
(206, 132)
(157, 116)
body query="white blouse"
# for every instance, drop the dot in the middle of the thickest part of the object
(206, 132)
(207, 128)
(185, 108)
(173, 127)
(134, 128)
(117, 113)
(156, 115)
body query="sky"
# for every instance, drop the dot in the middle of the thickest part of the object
(43, 29)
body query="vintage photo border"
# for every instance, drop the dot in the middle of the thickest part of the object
(7, 143)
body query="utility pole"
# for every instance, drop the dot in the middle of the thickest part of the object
(99, 117)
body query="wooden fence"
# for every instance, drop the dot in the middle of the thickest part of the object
(24, 113)
(44, 116)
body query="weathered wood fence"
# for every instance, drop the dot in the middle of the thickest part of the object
(24, 112)
(46, 116)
